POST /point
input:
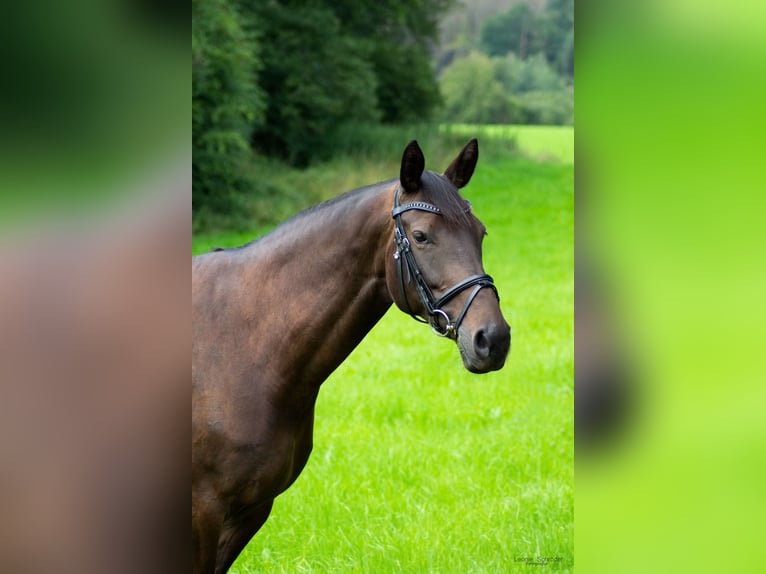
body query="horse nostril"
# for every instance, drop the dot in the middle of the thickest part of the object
(481, 344)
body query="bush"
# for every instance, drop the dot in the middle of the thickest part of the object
(472, 94)
(533, 74)
(552, 108)
(482, 90)
(520, 30)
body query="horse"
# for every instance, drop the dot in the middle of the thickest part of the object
(272, 319)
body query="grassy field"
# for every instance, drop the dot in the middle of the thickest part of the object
(419, 466)
(544, 143)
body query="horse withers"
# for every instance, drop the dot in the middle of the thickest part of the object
(272, 319)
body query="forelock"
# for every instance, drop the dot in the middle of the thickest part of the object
(442, 193)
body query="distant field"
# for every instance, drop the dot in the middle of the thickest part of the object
(539, 142)
(419, 466)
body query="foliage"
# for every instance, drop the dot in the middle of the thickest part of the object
(362, 153)
(548, 108)
(479, 89)
(281, 78)
(330, 63)
(523, 31)
(398, 37)
(531, 55)
(560, 38)
(534, 73)
(315, 77)
(520, 30)
(472, 94)
(407, 90)
(291, 79)
(226, 103)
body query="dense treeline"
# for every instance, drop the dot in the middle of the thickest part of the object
(295, 79)
(517, 66)
(281, 77)
(227, 102)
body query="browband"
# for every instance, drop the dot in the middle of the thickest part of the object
(420, 205)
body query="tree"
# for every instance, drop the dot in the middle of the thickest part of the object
(524, 32)
(549, 107)
(533, 74)
(315, 78)
(559, 45)
(472, 94)
(283, 77)
(226, 103)
(519, 30)
(407, 89)
(398, 35)
(328, 63)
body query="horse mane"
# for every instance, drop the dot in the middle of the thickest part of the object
(435, 189)
(309, 211)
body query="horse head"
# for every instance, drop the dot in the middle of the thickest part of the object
(436, 272)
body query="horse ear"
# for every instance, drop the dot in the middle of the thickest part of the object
(413, 164)
(461, 169)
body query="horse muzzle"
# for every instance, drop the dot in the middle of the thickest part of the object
(485, 349)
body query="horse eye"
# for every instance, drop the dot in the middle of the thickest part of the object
(419, 236)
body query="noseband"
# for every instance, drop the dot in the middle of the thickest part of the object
(439, 320)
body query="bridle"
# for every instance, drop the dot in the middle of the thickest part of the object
(439, 320)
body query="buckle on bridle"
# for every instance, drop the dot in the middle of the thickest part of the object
(433, 321)
(402, 243)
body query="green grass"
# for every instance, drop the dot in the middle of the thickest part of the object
(419, 466)
(546, 143)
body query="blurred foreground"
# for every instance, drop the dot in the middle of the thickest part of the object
(94, 370)
(95, 210)
(670, 320)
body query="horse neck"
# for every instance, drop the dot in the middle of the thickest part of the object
(323, 282)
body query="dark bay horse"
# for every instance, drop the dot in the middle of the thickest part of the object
(272, 319)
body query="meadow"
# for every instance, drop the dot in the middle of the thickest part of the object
(418, 465)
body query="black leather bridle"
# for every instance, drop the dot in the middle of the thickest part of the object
(438, 318)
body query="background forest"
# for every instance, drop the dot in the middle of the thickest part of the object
(284, 84)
